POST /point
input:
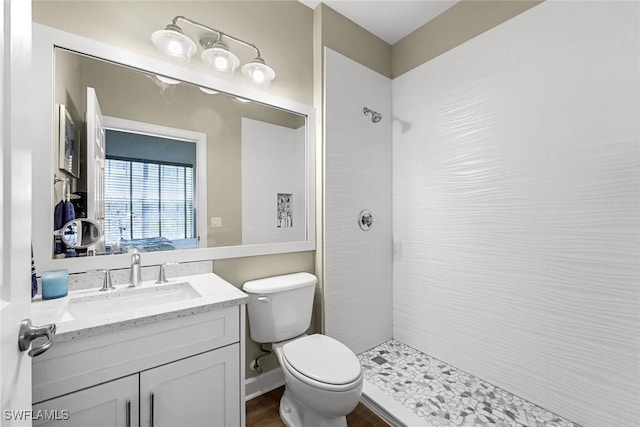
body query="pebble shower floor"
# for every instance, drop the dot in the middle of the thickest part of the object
(445, 396)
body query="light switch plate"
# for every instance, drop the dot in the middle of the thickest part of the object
(216, 222)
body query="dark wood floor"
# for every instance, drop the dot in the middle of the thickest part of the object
(263, 411)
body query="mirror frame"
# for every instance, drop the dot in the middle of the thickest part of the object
(45, 40)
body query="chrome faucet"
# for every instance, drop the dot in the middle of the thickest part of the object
(135, 272)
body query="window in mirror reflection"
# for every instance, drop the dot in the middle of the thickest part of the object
(149, 193)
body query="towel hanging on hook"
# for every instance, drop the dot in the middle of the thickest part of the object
(63, 212)
(66, 190)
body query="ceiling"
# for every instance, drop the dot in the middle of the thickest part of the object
(391, 20)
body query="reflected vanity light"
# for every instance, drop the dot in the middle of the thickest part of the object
(174, 44)
(244, 100)
(167, 80)
(208, 91)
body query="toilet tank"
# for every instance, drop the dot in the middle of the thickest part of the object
(280, 306)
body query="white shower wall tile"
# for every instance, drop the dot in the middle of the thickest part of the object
(516, 206)
(357, 264)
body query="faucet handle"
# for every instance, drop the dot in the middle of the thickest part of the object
(162, 275)
(107, 284)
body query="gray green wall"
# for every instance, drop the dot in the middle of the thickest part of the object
(283, 30)
(348, 38)
(462, 22)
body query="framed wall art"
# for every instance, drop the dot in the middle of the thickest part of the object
(68, 142)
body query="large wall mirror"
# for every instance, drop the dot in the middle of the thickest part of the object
(170, 162)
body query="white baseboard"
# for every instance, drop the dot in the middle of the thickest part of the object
(263, 383)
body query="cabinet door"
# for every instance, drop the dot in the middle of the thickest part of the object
(112, 404)
(202, 390)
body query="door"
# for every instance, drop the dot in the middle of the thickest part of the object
(15, 209)
(202, 390)
(112, 404)
(96, 154)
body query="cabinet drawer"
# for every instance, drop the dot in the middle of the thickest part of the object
(93, 360)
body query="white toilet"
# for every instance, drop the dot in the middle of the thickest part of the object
(323, 377)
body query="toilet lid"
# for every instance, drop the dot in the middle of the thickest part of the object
(323, 359)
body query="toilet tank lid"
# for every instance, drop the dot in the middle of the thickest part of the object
(280, 283)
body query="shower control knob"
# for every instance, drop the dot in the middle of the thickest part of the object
(365, 220)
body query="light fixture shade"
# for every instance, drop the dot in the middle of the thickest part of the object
(220, 58)
(173, 43)
(258, 72)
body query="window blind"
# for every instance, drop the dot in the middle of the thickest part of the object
(147, 199)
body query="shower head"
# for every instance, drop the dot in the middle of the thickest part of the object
(375, 116)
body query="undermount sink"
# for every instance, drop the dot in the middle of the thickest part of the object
(128, 299)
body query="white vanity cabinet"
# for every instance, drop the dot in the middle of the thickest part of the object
(113, 404)
(198, 391)
(184, 371)
(195, 391)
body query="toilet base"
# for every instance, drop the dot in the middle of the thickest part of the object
(296, 414)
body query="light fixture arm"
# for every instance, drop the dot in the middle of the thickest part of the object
(219, 33)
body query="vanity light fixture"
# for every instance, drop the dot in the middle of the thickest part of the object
(173, 43)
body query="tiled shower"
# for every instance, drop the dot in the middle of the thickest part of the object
(508, 247)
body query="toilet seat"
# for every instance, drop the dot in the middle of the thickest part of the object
(322, 362)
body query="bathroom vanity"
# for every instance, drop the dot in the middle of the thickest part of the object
(170, 354)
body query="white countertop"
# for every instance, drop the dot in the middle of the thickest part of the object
(214, 292)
